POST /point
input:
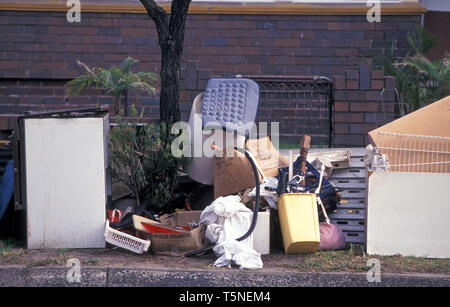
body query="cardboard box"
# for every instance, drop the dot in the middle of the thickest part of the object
(176, 243)
(417, 142)
(234, 174)
(267, 156)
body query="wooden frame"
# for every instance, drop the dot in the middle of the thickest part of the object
(407, 7)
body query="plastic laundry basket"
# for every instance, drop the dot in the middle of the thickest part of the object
(125, 240)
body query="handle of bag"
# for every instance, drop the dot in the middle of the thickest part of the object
(317, 192)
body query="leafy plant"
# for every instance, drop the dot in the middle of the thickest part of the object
(419, 81)
(116, 81)
(432, 79)
(161, 166)
(141, 158)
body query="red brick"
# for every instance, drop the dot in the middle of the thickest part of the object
(101, 22)
(3, 123)
(360, 26)
(247, 68)
(8, 64)
(352, 84)
(377, 84)
(284, 42)
(364, 106)
(378, 74)
(386, 26)
(349, 140)
(373, 95)
(361, 128)
(341, 128)
(303, 34)
(341, 106)
(351, 74)
(306, 60)
(248, 50)
(348, 117)
(336, 25)
(339, 82)
(346, 52)
(360, 43)
(133, 31)
(389, 82)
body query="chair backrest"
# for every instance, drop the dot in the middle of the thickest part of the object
(230, 103)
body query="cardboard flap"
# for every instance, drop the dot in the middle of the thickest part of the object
(267, 156)
(232, 174)
(430, 120)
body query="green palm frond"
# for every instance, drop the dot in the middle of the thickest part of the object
(126, 64)
(116, 80)
(77, 85)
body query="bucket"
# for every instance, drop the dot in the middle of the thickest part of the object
(299, 221)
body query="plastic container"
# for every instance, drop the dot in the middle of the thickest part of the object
(125, 240)
(261, 234)
(299, 221)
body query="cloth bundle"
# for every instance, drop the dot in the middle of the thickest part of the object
(227, 219)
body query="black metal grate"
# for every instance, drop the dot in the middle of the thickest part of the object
(300, 104)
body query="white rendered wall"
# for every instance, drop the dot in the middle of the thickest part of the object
(65, 182)
(408, 214)
(436, 5)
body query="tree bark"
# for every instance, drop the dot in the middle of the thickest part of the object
(171, 39)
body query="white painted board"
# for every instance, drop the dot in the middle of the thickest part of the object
(65, 162)
(408, 214)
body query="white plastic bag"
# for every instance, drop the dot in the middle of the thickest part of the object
(271, 197)
(227, 219)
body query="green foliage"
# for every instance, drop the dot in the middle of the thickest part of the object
(141, 158)
(116, 81)
(432, 79)
(419, 81)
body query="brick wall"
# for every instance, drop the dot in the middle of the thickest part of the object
(38, 52)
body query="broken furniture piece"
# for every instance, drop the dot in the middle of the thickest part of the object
(228, 106)
(61, 180)
(417, 142)
(407, 214)
(407, 207)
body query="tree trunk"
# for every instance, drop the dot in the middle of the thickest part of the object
(169, 109)
(171, 38)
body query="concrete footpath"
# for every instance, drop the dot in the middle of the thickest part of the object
(92, 276)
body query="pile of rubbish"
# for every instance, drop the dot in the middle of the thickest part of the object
(292, 207)
(257, 200)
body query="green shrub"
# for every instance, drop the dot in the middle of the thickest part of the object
(419, 81)
(141, 158)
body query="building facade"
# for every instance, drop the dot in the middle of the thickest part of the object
(39, 48)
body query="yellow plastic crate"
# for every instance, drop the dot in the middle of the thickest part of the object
(299, 221)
